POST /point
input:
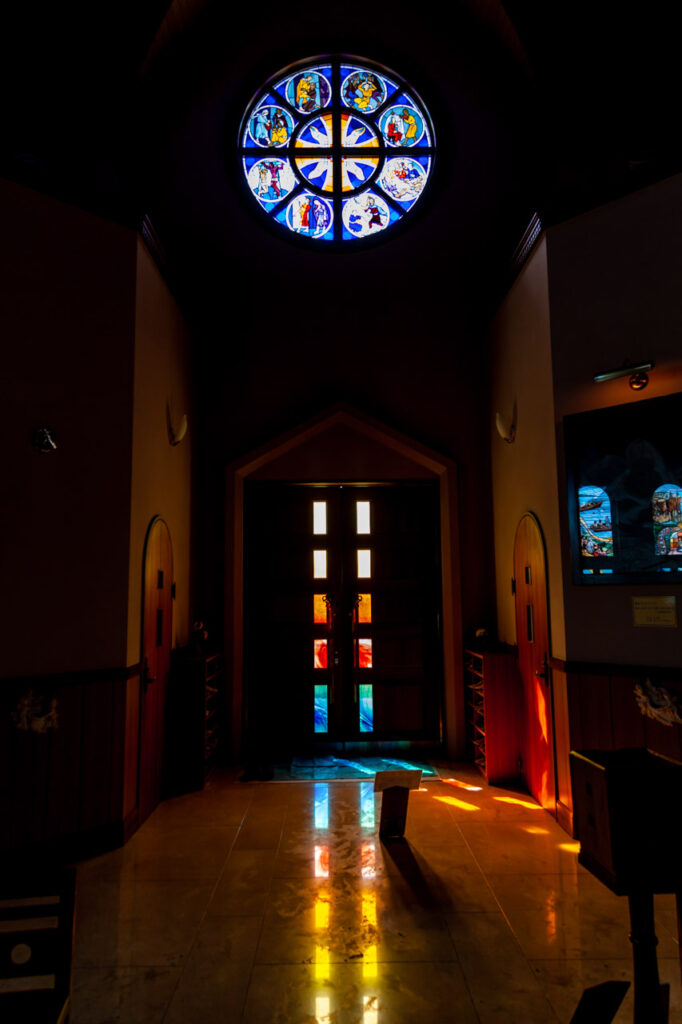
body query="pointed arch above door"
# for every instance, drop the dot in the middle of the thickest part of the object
(344, 446)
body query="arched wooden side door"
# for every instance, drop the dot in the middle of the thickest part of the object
(157, 614)
(532, 636)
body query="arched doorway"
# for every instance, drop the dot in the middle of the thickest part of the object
(532, 637)
(345, 447)
(157, 611)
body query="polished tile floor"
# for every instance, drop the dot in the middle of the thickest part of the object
(276, 903)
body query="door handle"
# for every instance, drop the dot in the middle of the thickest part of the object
(147, 677)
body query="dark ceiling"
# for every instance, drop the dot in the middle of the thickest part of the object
(132, 108)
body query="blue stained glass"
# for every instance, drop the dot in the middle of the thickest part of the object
(310, 215)
(328, 107)
(402, 125)
(308, 90)
(321, 709)
(366, 701)
(403, 179)
(270, 180)
(666, 514)
(367, 818)
(322, 805)
(367, 214)
(270, 126)
(596, 530)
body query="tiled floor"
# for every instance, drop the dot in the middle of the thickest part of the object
(276, 903)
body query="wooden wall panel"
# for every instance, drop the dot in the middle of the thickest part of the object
(562, 737)
(131, 750)
(595, 712)
(63, 784)
(627, 719)
(664, 739)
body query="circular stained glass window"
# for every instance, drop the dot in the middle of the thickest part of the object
(337, 149)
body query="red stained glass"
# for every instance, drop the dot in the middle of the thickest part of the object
(321, 653)
(364, 652)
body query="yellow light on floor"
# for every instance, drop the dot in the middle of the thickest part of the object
(454, 802)
(322, 1008)
(370, 1011)
(519, 803)
(322, 911)
(463, 785)
(322, 966)
(570, 847)
(535, 830)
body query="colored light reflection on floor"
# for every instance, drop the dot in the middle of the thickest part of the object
(368, 855)
(370, 1012)
(367, 812)
(570, 847)
(322, 1009)
(519, 803)
(454, 802)
(322, 805)
(369, 923)
(463, 785)
(322, 911)
(321, 862)
(535, 830)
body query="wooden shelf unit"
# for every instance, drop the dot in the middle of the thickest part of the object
(493, 713)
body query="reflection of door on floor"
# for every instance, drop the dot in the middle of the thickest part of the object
(532, 636)
(342, 603)
(155, 668)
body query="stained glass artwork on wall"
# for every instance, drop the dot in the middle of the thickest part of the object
(364, 652)
(362, 516)
(366, 707)
(596, 529)
(321, 709)
(319, 517)
(363, 612)
(666, 514)
(364, 564)
(320, 610)
(271, 180)
(366, 214)
(320, 565)
(336, 126)
(308, 90)
(271, 126)
(320, 653)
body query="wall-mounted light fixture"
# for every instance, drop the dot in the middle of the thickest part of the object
(43, 440)
(507, 428)
(637, 372)
(177, 428)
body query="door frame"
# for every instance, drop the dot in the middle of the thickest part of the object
(552, 809)
(427, 464)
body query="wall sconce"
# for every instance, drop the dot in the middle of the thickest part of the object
(43, 440)
(506, 428)
(637, 372)
(175, 433)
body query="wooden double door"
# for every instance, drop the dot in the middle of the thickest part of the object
(342, 614)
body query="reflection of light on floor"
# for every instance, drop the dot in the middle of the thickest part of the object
(535, 830)
(570, 847)
(367, 819)
(368, 860)
(369, 921)
(322, 1008)
(321, 964)
(321, 862)
(463, 785)
(520, 803)
(322, 911)
(550, 918)
(322, 805)
(454, 802)
(370, 1012)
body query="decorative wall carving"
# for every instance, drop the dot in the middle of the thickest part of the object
(36, 713)
(658, 703)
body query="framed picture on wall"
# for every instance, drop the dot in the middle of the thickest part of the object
(624, 475)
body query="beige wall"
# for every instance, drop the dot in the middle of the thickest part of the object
(615, 282)
(524, 474)
(161, 472)
(66, 323)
